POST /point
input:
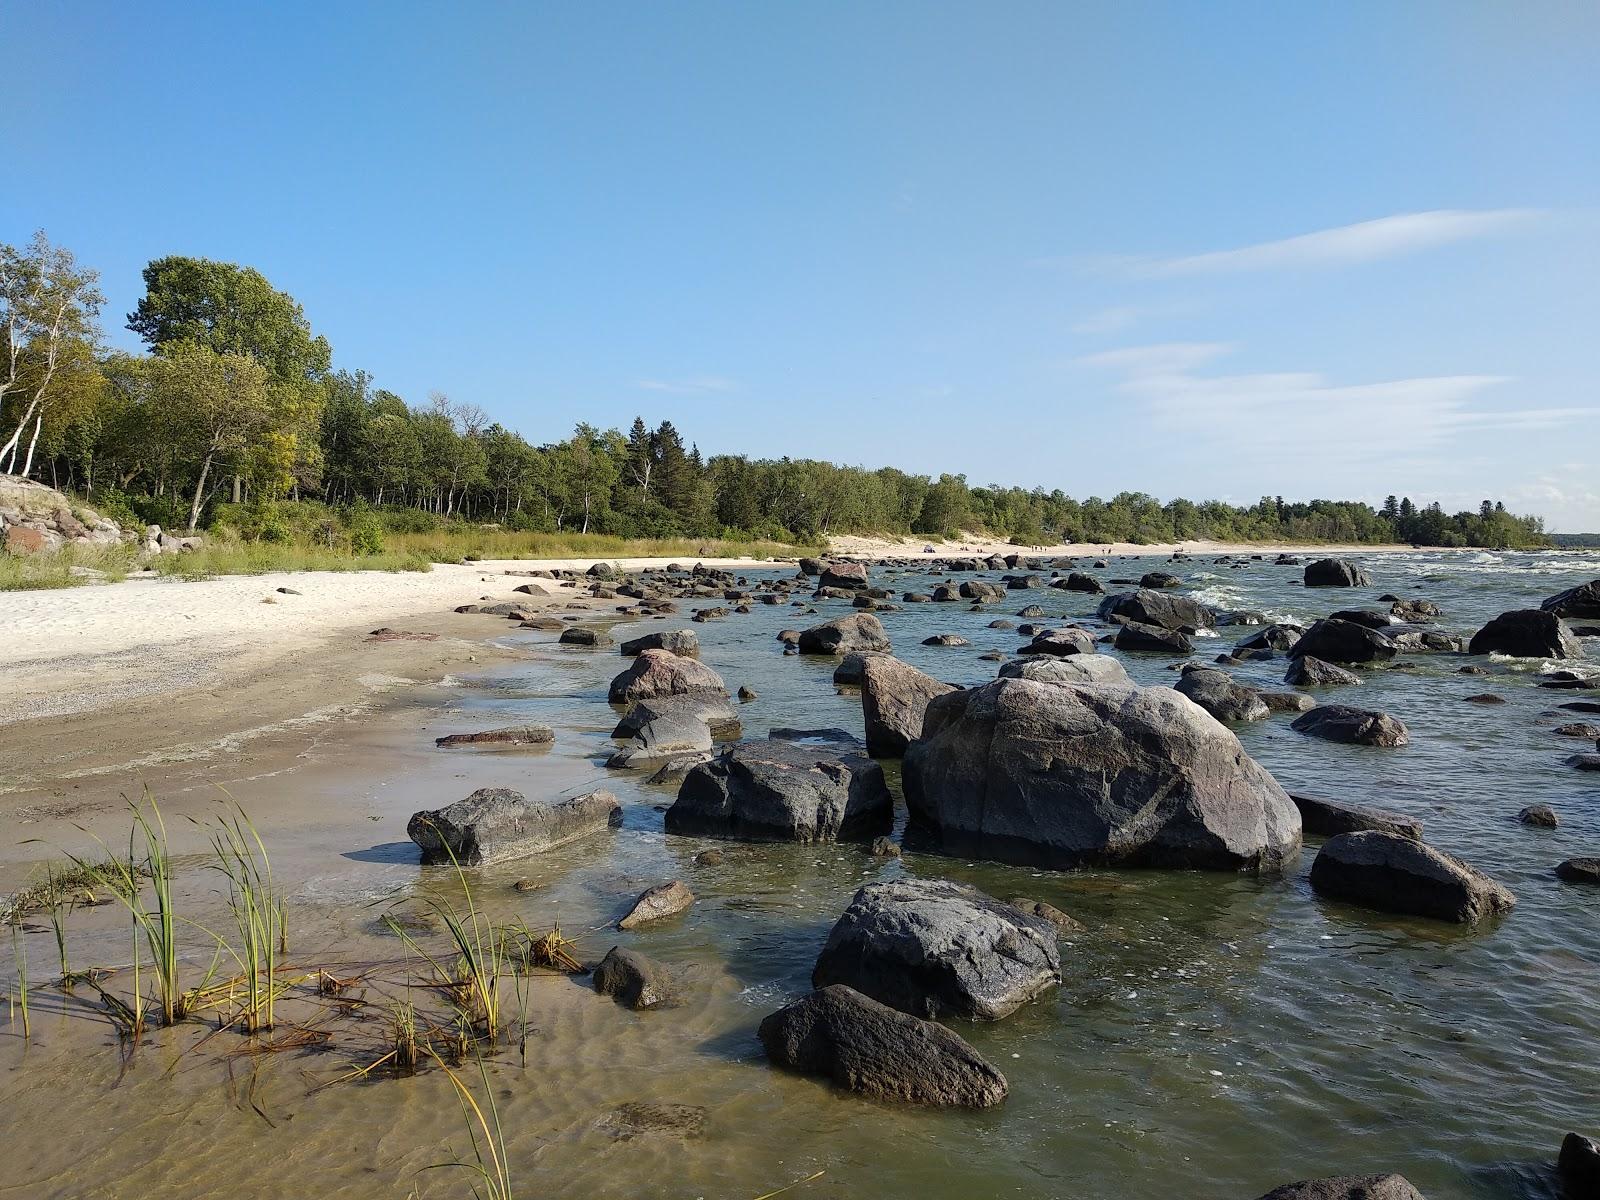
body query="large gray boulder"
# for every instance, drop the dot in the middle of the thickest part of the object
(894, 697)
(878, 1051)
(1335, 572)
(674, 734)
(1395, 874)
(681, 642)
(851, 576)
(1062, 642)
(1152, 639)
(1217, 693)
(784, 791)
(1348, 1187)
(657, 673)
(1148, 607)
(1526, 633)
(708, 708)
(1354, 726)
(1278, 636)
(1076, 668)
(1581, 601)
(983, 593)
(1310, 671)
(497, 824)
(1343, 642)
(935, 949)
(863, 631)
(1064, 775)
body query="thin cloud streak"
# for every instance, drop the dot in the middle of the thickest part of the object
(1364, 241)
(697, 384)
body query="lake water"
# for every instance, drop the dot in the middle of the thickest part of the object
(1215, 1035)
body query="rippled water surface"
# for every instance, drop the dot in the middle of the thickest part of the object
(1215, 1035)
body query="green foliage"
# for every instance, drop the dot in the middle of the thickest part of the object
(366, 534)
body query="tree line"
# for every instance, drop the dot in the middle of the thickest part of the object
(236, 402)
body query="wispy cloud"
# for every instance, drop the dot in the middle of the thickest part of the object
(1303, 413)
(1365, 241)
(692, 385)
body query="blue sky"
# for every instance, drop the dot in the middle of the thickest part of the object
(1193, 249)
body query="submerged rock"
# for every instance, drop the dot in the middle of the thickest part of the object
(1328, 818)
(784, 791)
(658, 903)
(863, 631)
(633, 979)
(934, 948)
(496, 824)
(1347, 1187)
(1038, 908)
(894, 697)
(877, 1051)
(511, 735)
(1541, 815)
(1395, 874)
(1067, 775)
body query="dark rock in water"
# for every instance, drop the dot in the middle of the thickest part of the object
(1152, 639)
(511, 735)
(1414, 612)
(1335, 572)
(496, 824)
(1148, 607)
(784, 791)
(1372, 618)
(1023, 583)
(1076, 668)
(1580, 729)
(1279, 636)
(657, 673)
(946, 593)
(1347, 1187)
(1356, 726)
(1062, 642)
(1484, 698)
(657, 903)
(681, 642)
(1076, 581)
(838, 739)
(883, 847)
(1329, 818)
(1220, 696)
(1583, 706)
(1395, 874)
(1064, 775)
(850, 576)
(894, 697)
(633, 979)
(708, 708)
(1242, 656)
(1526, 633)
(747, 694)
(1585, 762)
(1581, 601)
(1313, 672)
(577, 635)
(863, 631)
(946, 639)
(1541, 815)
(642, 1118)
(1343, 642)
(1038, 908)
(1031, 610)
(1002, 623)
(934, 949)
(1579, 870)
(1285, 702)
(880, 1052)
(811, 566)
(708, 858)
(1579, 1160)
(983, 593)
(675, 733)
(1469, 670)
(1159, 579)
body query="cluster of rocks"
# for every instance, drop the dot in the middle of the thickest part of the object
(35, 519)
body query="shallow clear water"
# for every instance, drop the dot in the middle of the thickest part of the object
(1215, 1035)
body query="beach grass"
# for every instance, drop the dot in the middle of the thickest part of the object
(70, 566)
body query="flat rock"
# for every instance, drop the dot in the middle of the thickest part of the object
(681, 642)
(1395, 874)
(1355, 726)
(496, 824)
(1078, 668)
(880, 1052)
(1348, 1187)
(510, 735)
(1328, 818)
(934, 949)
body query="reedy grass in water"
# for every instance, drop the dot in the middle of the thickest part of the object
(490, 1164)
(20, 951)
(260, 915)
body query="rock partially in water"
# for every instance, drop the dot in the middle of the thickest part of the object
(633, 979)
(1279, 636)
(936, 949)
(681, 642)
(1328, 818)
(1584, 762)
(1541, 815)
(496, 824)
(1354, 726)
(582, 635)
(1313, 672)
(1219, 695)
(708, 708)
(863, 631)
(510, 735)
(1060, 643)
(1343, 642)
(1063, 923)
(1579, 1160)
(1335, 572)
(656, 673)
(946, 639)
(1526, 633)
(1395, 874)
(640, 1118)
(1077, 581)
(1580, 601)
(1579, 870)
(657, 903)
(1068, 775)
(1146, 607)
(894, 697)
(1152, 639)
(674, 734)
(1158, 580)
(850, 576)
(784, 791)
(883, 847)
(1283, 702)
(1347, 1187)
(877, 1051)
(1078, 668)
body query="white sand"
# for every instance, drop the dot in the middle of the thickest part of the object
(871, 548)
